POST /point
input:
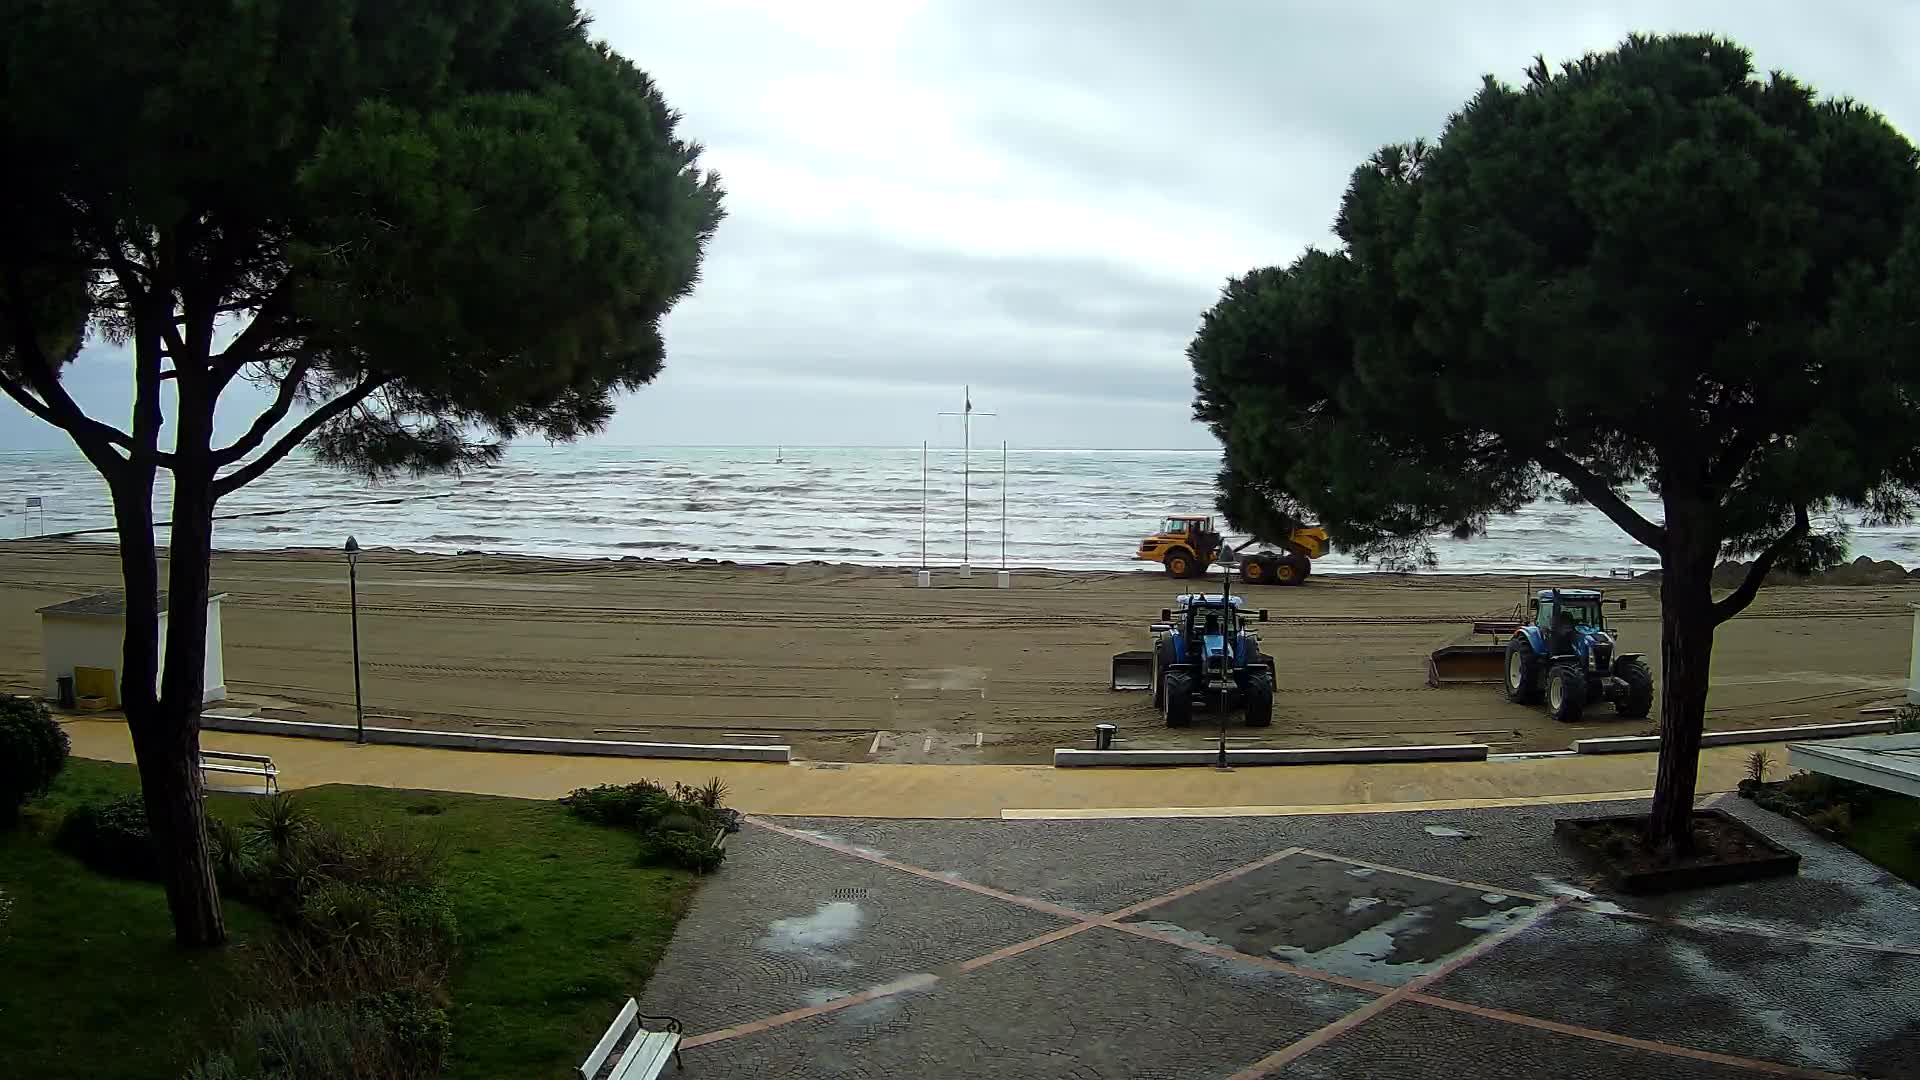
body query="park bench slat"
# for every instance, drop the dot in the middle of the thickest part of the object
(646, 1056)
(591, 1067)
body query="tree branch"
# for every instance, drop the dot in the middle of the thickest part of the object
(246, 348)
(308, 424)
(95, 439)
(1739, 451)
(1601, 494)
(264, 424)
(1736, 601)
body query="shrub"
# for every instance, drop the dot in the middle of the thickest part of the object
(710, 794)
(1758, 763)
(1836, 819)
(631, 806)
(280, 823)
(695, 851)
(417, 1029)
(33, 750)
(307, 1042)
(111, 838)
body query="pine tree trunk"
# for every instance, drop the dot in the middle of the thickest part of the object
(166, 748)
(1686, 653)
(173, 783)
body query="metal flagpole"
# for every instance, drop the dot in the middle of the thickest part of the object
(1003, 504)
(923, 505)
(966, 475)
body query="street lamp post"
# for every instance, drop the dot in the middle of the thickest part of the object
(353, 599)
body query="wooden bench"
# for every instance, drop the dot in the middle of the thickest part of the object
(258, 765)
(642, 1053)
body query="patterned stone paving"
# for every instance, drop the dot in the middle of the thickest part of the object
(1448, 945)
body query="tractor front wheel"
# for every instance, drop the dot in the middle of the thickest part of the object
(1566, 692)
(1255, 571)
(1162, 660)
(1523, 672)
(1259, 699)
(1178, 708)
(1639, 679)
(1179, 563)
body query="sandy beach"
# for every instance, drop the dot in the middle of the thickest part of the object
(855, 664)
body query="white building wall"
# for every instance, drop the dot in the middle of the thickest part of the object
(68, 641)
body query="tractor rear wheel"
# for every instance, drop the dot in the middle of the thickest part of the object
(1179, 563)
(1178, 707)
(1566, 692)
(1639, 679)
(1259, 699)
(1255, 570)
(1523, 672)
(1162, 660)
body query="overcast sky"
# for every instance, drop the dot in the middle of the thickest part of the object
(1040, 198)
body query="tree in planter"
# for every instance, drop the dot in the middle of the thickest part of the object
(1649, 266)
(420, 227)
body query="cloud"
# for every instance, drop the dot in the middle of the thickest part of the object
(1040, 199)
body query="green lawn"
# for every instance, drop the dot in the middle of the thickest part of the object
(558, 927)
(1886, 835)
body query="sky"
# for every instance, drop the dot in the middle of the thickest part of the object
(1039, 199)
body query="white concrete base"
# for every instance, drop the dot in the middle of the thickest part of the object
(1003, 580)
(1640, 744)
(1329, 755)
(966, 571)
(525, 744)
(923, 579)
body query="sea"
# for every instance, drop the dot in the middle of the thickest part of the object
(1064, 509)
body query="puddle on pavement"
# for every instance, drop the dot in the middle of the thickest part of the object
(816, 936)
(1342, 919)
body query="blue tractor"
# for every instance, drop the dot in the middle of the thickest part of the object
(1567, 656)
(1205, 650)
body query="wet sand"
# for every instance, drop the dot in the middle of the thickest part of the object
(855, 664)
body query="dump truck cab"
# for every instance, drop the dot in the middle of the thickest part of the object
(1186, 545)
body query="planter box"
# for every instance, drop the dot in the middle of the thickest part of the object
(1769, 859)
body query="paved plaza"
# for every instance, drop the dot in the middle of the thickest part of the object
(1446, 944)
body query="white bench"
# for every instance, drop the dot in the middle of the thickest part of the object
(643, 1056)
(258, 765)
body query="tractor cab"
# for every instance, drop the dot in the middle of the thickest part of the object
(1568, 607)
(1186, 526)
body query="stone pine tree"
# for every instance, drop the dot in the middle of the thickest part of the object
(422, 229)
(1649, 267)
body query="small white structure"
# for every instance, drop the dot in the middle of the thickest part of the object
(88, 632)
(1888, 762)
(1913, 660)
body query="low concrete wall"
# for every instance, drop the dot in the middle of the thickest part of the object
(1328, 755)
(1640, 744)
(524, 744)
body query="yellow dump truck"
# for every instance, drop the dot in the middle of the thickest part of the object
(1187, 545)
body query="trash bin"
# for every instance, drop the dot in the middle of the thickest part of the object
(65, 683)
(1103, 736)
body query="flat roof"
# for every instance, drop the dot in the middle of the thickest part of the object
(106, 605)
(1888, 762)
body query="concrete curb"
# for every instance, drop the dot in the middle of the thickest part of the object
(1639, 744)
(1330, 755)
(523, 744)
